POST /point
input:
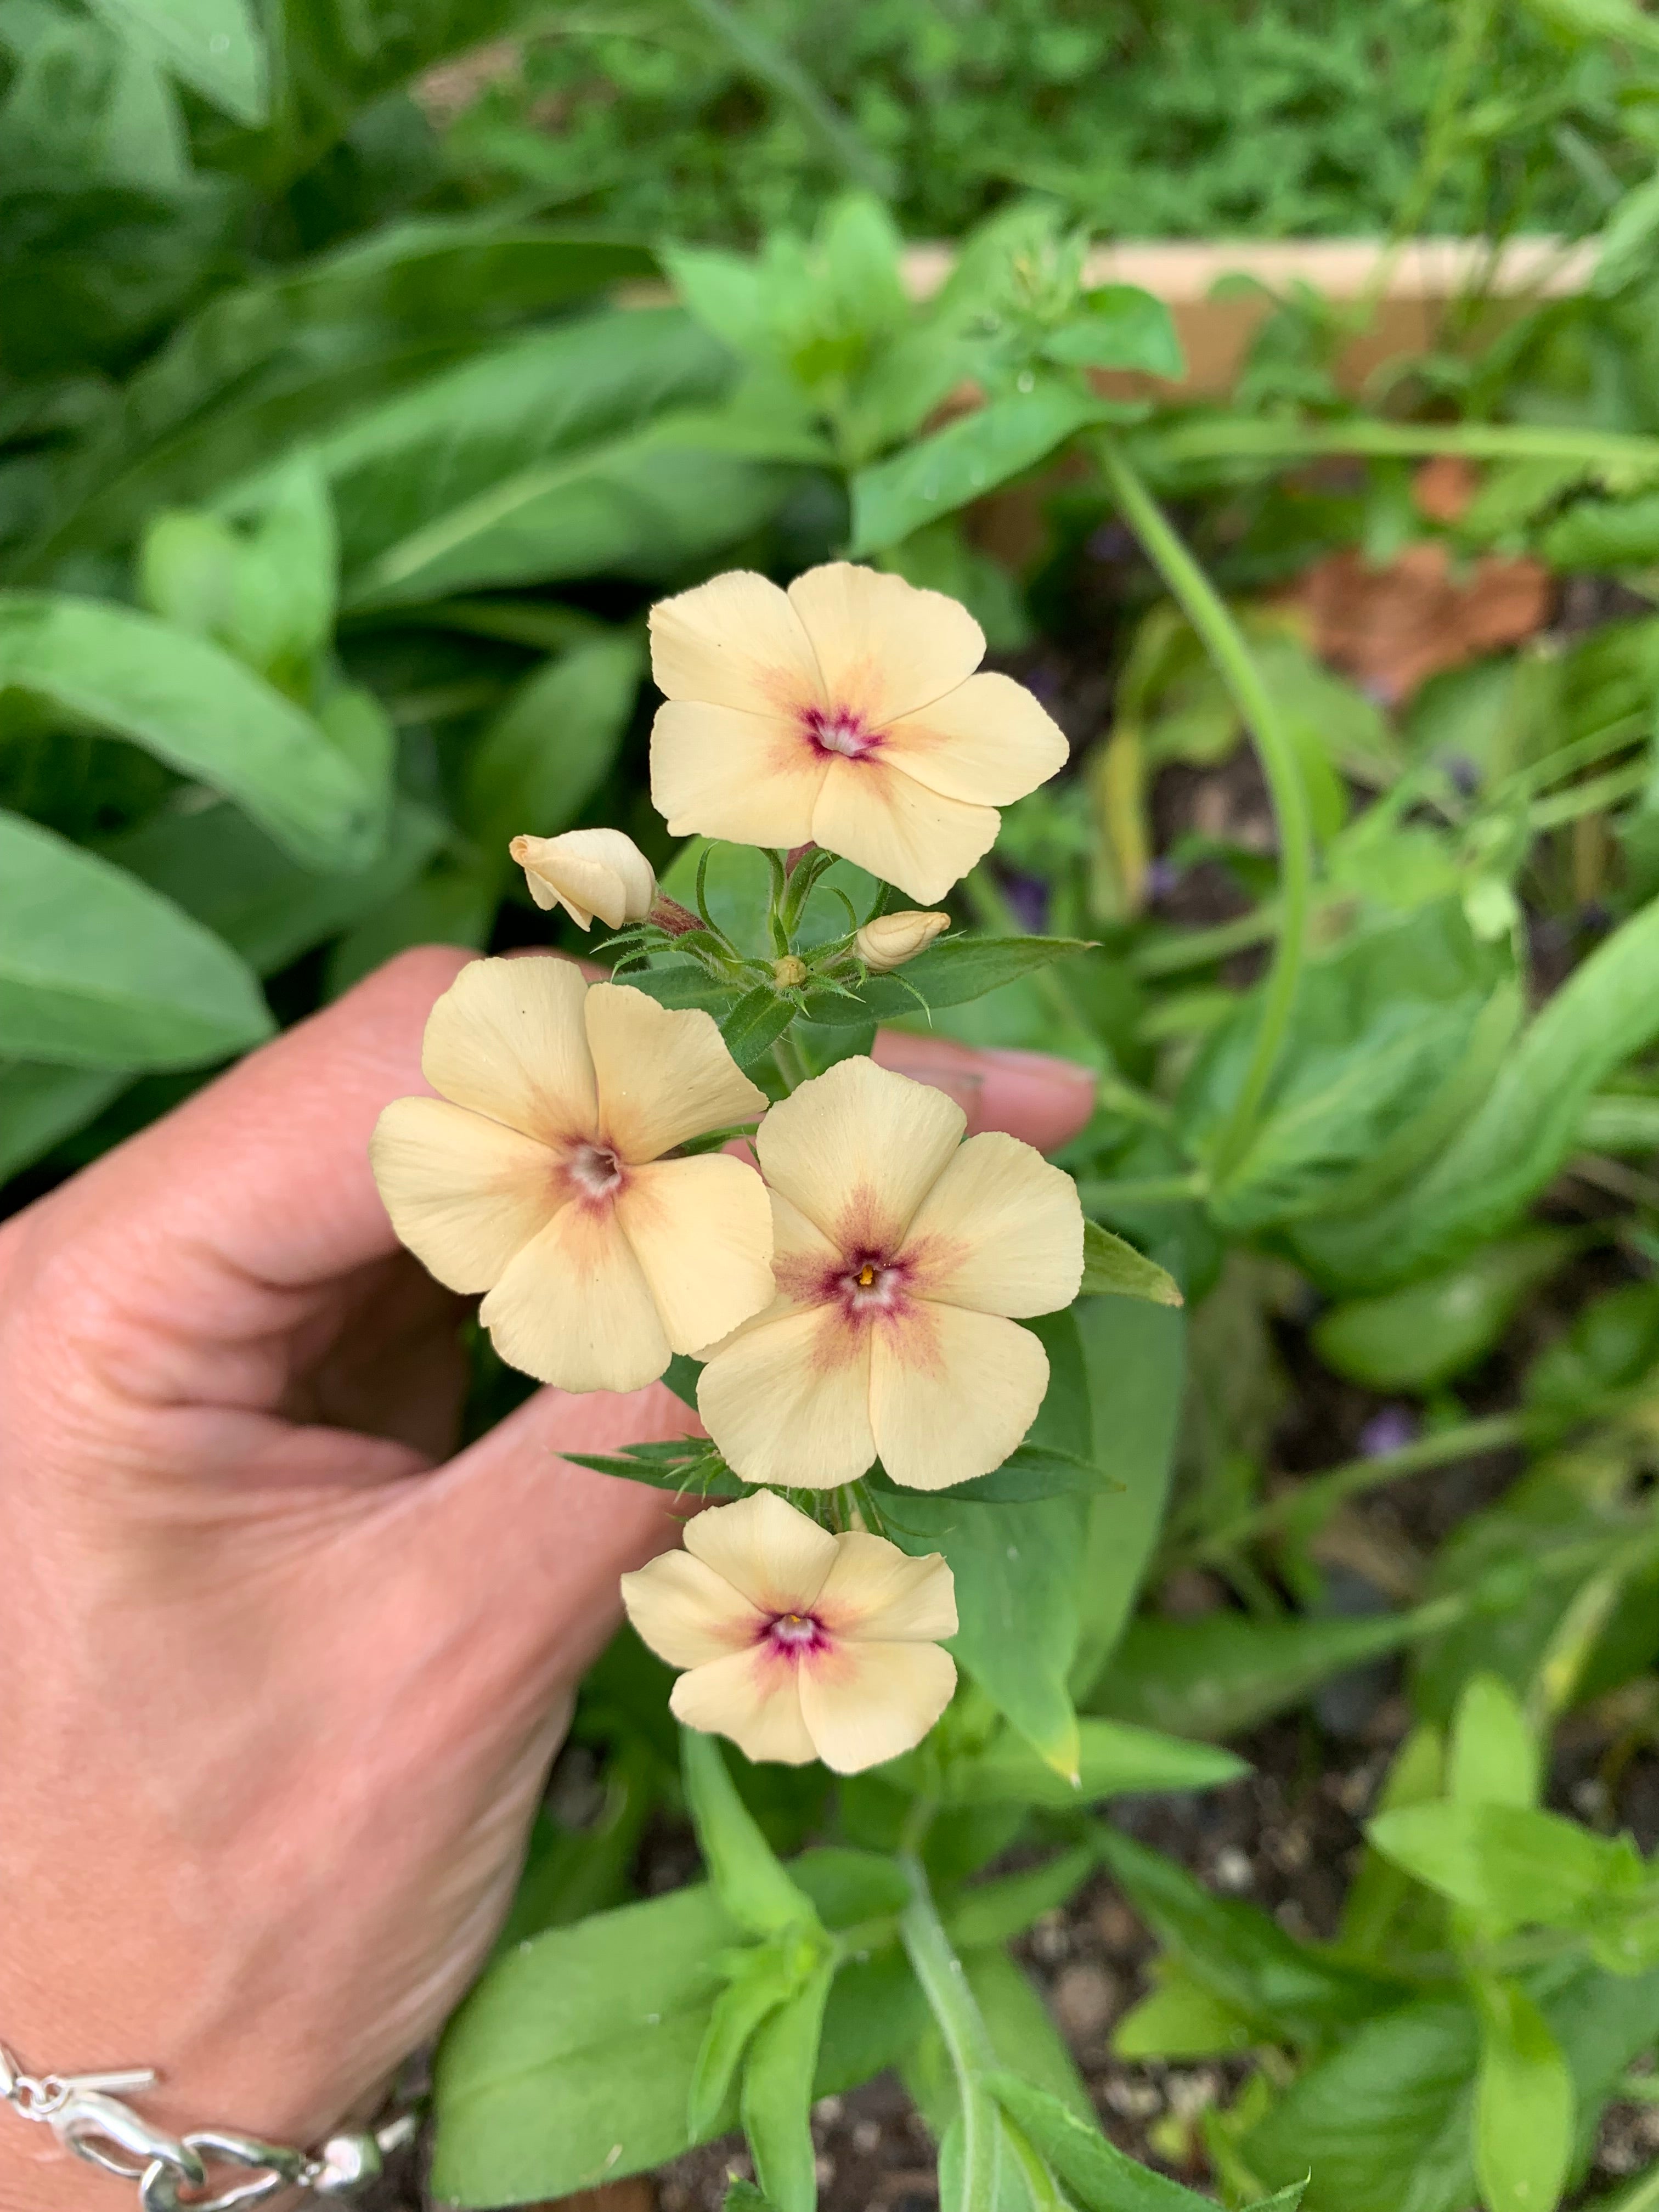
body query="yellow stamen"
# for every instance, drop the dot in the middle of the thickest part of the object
(866, 1276)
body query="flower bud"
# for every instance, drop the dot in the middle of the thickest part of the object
(589, 873)
(892, 938)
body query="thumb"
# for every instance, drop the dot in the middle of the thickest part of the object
(535, 1546)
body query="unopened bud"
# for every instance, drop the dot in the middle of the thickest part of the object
(589, 873)
(789, 973)
(892, 938)
(678, 921)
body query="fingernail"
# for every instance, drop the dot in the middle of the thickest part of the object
(1044, 1100)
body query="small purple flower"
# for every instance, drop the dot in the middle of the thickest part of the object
(1161, 877)
(1027, 898)
(1387, 1430)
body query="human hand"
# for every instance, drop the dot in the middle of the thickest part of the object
(282, 1678)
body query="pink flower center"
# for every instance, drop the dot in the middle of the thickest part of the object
(792, 1635)
(839, 730)
(595, 1170)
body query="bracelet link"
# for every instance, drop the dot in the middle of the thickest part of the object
(173, 2172)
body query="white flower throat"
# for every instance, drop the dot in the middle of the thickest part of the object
(595, 1170)
(840, 730)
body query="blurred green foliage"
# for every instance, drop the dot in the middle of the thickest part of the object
(1261, 118)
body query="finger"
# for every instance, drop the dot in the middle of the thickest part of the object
(1029, 1094)
(188, 1261)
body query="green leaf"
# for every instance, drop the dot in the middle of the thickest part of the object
(761, 1981)
(1514, 1865)
(750, 1882)
(743, 2196)
(1380, 1023)
(756, 1022)
(1383, 2121)
(1596, 20)
(992, 1911)
(214, 45)
(287, 357)
(1505, 1152)
(948, 974)
(1226, 1672)
(40, 1103)
(777, 2096)
(1524, 2104)
(1417, 1337)
(1119, 326)
(1016, 1569)
(1111, 1265)
(1288, 1991)
(1181, 2019)
(552, 455)
(1101, 2177)
(193, 707)
(571, 2061)
(1029, 1472)
(682, 983)
(1493, 1753)
(1600, 534)
(962, 462)
(98, 972)
(1134, 1354)
(1382, 1904)
(537, 763)
(1114, 1760)
(229, 875)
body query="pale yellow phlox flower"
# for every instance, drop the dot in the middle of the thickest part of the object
(799, 1644)
(844, 712)
(890, 940)
(900, 1253)
(538, 1175)
(589, 873)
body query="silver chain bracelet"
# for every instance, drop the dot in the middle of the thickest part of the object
(89, 2116)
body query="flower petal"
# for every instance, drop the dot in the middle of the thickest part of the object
(857, 1149)
(775, 1556)
(753, 778)
(875, 1592)
(889, 824)
(884, 647)
(701, 1230)
(664, 1074)
(687, 1613)
(987, 741)
(574, 1307)
(752, 1696)
(507, 1039)
(787, 1399)
(863, 1702)
(735, 641)
(803, 1257)
(960, 1409)
(1002, 1232)
(463, 1191)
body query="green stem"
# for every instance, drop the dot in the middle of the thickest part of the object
(1320, 1494)
(1474, 22)
(770, 66)
(1224, 437)
(1587, 797)
(1276, 749)
(967, 2041)
(1197, 948)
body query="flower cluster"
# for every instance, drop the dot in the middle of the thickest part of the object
(857, 1299)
